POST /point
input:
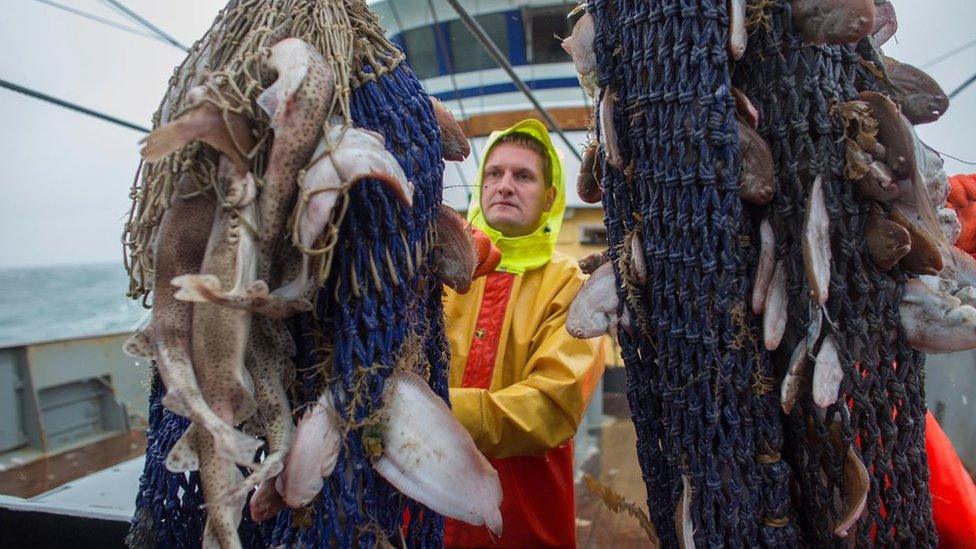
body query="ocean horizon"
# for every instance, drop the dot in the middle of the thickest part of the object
(50, 303)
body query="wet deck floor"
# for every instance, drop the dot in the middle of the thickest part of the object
(615, 465)
(48, 473)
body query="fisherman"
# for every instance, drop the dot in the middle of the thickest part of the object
(519, 383)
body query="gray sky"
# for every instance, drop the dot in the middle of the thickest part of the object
(66, 178)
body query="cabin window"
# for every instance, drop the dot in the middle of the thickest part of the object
(546, 27)
(421, 47)
(467, 54)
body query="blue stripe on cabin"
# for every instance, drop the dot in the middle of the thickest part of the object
(516, 37)
(508, 87)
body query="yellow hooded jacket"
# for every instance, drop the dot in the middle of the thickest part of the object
(519, 383)
(542, 378)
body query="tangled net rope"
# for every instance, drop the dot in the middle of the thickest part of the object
(704, 395)
(379, 307)
(882, 401)
(347, 34)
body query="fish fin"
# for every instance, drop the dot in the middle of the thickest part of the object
(437, 496)
(373, 161)
(183, 456)
(855, 493)
(139, 345)
(567, 45)
(827, 374)
(210, 540)
(269, 468)
(175, 404)
(174, 135)
(391, 177)
(237, 446)
(270, 98)
(197, 288)
(400, 480)
(375, 135)
(683, 521)
(454, 144)
(402, 188)
(334, 437)
(266, 501)
(416, 491)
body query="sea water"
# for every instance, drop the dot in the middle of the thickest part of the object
(50, 303)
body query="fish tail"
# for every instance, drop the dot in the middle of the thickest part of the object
(216, 474)
(270, 98)
(927, 211)
(220, 530)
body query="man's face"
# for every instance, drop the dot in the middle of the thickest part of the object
(514, 194)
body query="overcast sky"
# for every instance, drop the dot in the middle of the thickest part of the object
(64, 186)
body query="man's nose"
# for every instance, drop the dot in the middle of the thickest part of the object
(506, 184)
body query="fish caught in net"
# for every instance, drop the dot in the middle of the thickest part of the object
(781, 259)
(287, 225)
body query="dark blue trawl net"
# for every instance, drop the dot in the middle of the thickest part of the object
(380, 305)
(881, 409)
(366, 325)
(699, 383)
(703, 391)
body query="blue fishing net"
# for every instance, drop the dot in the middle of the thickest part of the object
(365, 325)
(881, 409)
(380, 305)
(704, 392)
(698, 380)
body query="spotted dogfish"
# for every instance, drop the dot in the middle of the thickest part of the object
(180, 248)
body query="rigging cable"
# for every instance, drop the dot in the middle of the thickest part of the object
(938, 59)
(499, 58)
(145, 23)
(962, 86)
(457, 165)
(71, 106)
(98, 19)
(443, 46)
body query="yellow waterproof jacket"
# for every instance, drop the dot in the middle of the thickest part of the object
(541, 378)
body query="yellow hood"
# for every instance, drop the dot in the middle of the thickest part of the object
(524, 253)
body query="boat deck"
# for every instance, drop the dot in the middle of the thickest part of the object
(615, 465)
(98, 482)
(48, 473)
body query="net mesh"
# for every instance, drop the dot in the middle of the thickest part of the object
(379, 306)
(704, 393)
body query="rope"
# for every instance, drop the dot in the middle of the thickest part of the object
(882, 400)
(379, 307)
(71, 106)
(694, 383)
(699, 386)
